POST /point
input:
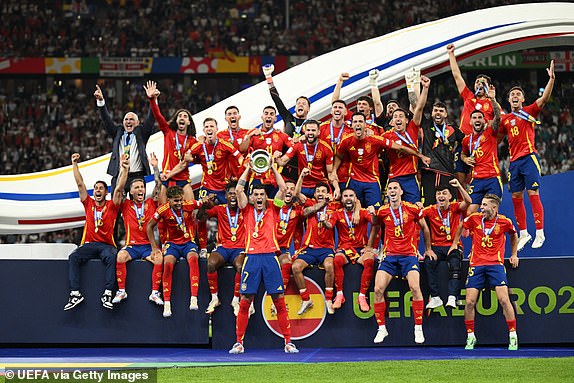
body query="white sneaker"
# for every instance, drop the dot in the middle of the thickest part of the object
(522, 241)
(290, 348)
(513, 343)
(538, 241)
(203, 253)
(470, 342)
(193, 304)
(235, 305)
(434, 302)
(237, 349)
(329, 306)
(120, 296)
(382, 333)
(451, 302)
(419, 336)
(251, 310)
(155, 298)
(305, 306)
(167, 309)
(212, 305)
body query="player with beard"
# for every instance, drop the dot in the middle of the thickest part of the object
(480, 151)
(273, 141)
(314, 154)
(404, 167)
(231, 244)
(443, 219)
(439, 142)
(488, 231)
(362, 151)
(178, 138)
(400, 256)
(293, 122)
(333, 131)
(137, 211)
(261, 264)
(318, 244)
(353, 239)
(477, 100)
(524, 172)
(178, 225)
(98, 236)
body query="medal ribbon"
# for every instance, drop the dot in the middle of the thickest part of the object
(350, 223)
(307, 156)
(127, 140)
(233, 220)
(284, 218)
(442, 132)
(406, 138)
(178, 146)
(209, 157)
(332, 132)
(525, 116)
(445, 221)
(476, 144)
(98, 217)
(298, 128)
(140, 212)
(486, 231)
(258, 219)
(398, 220)
(180, 220)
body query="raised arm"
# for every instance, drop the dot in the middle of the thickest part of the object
(466, 200)
(281, 108)
(310, 210)
(109, 124)
(279, 180)
(118, 195)
(153, 93)
(299, 185)
(375, 93)
(78, 177)
(244, 146)
(422, 100)
(156, 175)
(495, 123)
(413, 83)
(456, 74)
(337, 91)
(242, 199)
(549, 86)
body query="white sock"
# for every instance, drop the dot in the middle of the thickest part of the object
(75, 292)
(108, 292)
(512, 334)
(361, 294)
(214, 296)
(523, 233)
(339, 293)
(540, 232)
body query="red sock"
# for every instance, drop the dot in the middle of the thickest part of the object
(286, 273)
(418, 310)
(121, 275)
(236, 285)
(469, 324)
(511, 325)
(156, 276)
(367, 275)
(167, 274)
(193, 275)
(283, 318)
(242, 319)
(202, 234)
(519, 212)
(304, 294)
(328, 293)
(213, 283)
(338, 264)
(380, 311)
(537, 210)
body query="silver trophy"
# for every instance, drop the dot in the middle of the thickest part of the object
(260, 161)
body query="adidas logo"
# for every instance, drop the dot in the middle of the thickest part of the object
(535, 184)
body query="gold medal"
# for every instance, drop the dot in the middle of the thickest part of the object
(233, 238)
(283, 231)
(96, 229)
(255, 235)
(186, 235)
(448, 237)
(209, 171)
(484, 242)
(140, 227)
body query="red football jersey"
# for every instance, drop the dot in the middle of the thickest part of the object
(235, 138)
(317, 236)
(472, 103)
(488, 238)
(174, 144)
(136, 216)
(485, 152)
(223, 157)
(226, 218)
(316, 157)
(364, 156)
(104, 216)
(401, 231)
(443, 224)
(402, 164)
(333, 139)
(351, 236)
(176, 226)
(271, 141)
(521, 136)
(264, 224)
(290, 217)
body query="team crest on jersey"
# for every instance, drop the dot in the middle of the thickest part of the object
(319, 155)
(268, 140)
(218, 153)
(292, 215)
(368, 147)
(478, 106)
(497, 230)
(513, 122)
(485, 106)
(360, 151)
(276, 137)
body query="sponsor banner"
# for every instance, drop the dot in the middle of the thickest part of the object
(125, 66)
(22, 65)
(563, 61)
(514, 60)
(63, 65)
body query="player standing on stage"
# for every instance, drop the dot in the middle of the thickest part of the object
(524, 172)
(353, 239)
(178, 138)
(487, 230)
(137, 211)
(261, 264)
(443, 219)
(98, 236)
(177, 218)
(400, 256)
